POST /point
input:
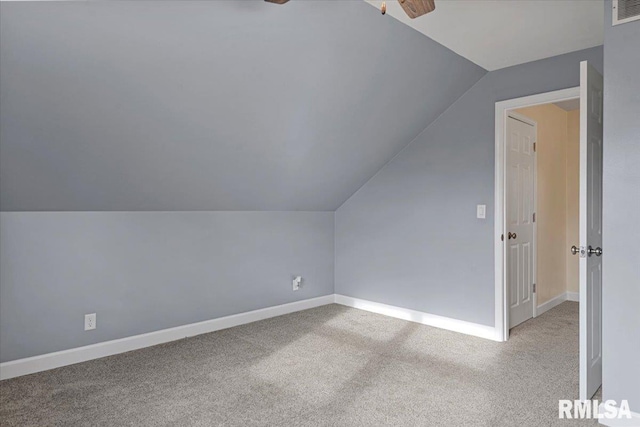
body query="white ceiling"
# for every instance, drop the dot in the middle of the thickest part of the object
(499, 33)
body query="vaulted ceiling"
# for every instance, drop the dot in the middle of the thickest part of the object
(225, 105)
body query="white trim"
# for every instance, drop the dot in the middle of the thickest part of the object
(555, 301)
(634, 421)
(573, 296)
(501, 109)
(48, 361)
(455, 325)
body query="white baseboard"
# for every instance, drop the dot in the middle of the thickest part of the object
(482, 331)
(567, 296)
(634, 421)
(573, 296)
(48, 361)
(553, 302)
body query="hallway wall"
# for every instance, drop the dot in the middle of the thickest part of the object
(557, 209)
(573, 193)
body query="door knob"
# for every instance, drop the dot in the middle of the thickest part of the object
(597, 251)
(512, 235)
(574, 250)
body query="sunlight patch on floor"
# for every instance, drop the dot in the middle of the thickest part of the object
(306, 367)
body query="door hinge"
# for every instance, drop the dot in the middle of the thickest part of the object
(534, 147)
(534, 288)
(534, 217)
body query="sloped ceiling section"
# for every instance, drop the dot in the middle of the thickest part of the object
(501, 33)
(226, 105)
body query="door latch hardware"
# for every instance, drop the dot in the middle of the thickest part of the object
(583, 252)
(580, 250)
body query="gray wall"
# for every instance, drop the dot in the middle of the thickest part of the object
(209, 105)
(621, 233)
(409, 237)
(145, 271)
(191, 106)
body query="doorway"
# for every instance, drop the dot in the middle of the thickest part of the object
(520, 248)
(515, 217)
(542, 188)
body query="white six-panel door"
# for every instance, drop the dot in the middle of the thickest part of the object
(520, 204)
(590, 249)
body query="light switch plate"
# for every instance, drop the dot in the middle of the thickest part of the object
(481, 211)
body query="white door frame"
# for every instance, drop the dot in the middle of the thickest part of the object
(502, 110)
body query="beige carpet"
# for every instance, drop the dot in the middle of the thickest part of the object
(329, 366)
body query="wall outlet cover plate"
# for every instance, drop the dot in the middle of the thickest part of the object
(89, 321)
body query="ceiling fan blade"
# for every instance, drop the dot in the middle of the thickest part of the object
(415, 8)
(277, 1)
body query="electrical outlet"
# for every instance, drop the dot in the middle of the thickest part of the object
(297, 282)
(89, 321)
